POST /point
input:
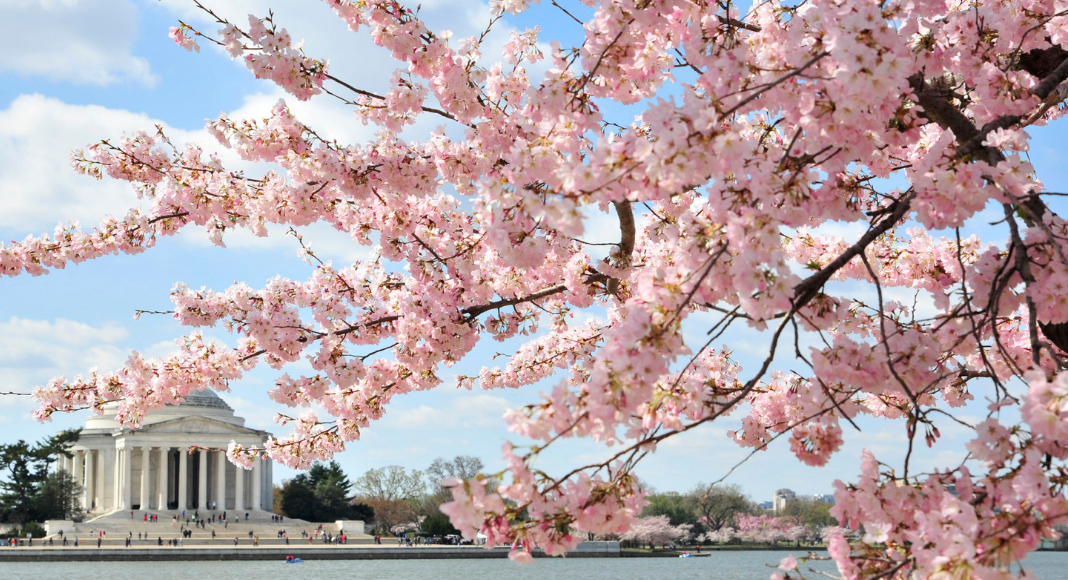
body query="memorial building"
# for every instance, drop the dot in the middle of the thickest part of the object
(152, 469)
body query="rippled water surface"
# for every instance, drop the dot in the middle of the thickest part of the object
(719, 566)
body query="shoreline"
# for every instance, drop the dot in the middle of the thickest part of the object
(707, 550)
(246, 553)
(89, 553)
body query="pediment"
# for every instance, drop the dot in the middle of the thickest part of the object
(199, 426)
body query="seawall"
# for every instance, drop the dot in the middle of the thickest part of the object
(304, 552)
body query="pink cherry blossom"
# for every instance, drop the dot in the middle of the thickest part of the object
(759, 135)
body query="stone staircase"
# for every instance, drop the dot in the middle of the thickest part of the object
(118, 526)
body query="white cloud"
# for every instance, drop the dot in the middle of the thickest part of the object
(79, 41)
(32, 352)
(255, 414)
(462, 411)
(37, 135)
(65, 332)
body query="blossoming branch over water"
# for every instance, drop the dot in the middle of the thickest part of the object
(756, 130)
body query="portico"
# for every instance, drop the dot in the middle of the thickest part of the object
(166, 464)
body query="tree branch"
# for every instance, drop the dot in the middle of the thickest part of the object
(808, 289)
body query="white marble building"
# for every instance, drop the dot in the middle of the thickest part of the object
(151, 469)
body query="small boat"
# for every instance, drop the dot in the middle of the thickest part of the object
(686, 555)
(292, 560)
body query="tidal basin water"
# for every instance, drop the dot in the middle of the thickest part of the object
(719, 566)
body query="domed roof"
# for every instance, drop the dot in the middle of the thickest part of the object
(204, 398)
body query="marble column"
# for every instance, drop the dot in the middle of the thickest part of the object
(114, 461)
(239, 488)
(116, 478)
(220, 481)
(145, 484)
(183, 476)
(108, 494)
(268, 471)
(101, 477)
(164, 460)
(78, 479)
(202, 480)
(90, 479)
(127, 478)
(257, 470)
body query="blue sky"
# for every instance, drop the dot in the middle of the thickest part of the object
(77, 71)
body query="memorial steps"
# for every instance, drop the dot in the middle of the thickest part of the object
(117, 526)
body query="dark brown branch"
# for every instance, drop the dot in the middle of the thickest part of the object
(775, 83)
(573, 17)
(626, 240)
(937, 108)
(808, 289)
(168, 216)
(1055, 78)
(738, 23)
(371, 95)
(626, 229)
(473, 311)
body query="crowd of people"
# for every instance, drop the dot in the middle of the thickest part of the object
(188, 523)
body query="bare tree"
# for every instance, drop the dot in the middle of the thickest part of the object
(390, 513)
(461, 467)
(716, 505)
(393, 492)
(391, 483)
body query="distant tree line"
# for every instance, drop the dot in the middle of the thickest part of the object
(398, 500)
(394, 499)
(708, 508)
(723, 514)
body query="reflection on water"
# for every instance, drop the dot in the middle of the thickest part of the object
(719, 566)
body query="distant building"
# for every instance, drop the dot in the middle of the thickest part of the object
(825, 498)
(781, 498)
(767, 505)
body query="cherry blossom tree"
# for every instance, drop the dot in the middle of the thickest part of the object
(765, 529)
(758, 131)
(656, 530)
(829, 532)
(405, 528)
(723, 535)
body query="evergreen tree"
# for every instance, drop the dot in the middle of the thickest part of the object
(437, 524)
(323, 494)
(58, 499)
(298, 499)
(26, 494)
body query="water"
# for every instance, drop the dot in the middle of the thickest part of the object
(719, 566)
